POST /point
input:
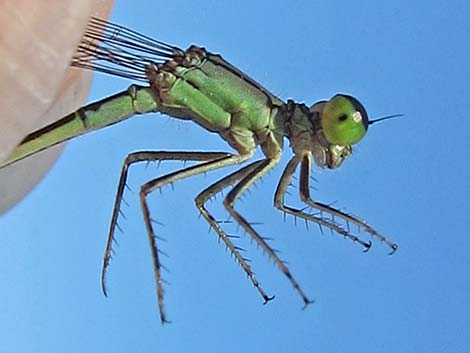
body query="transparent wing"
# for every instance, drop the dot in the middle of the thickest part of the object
(120, 51)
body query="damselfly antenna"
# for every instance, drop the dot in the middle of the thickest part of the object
(385, 118)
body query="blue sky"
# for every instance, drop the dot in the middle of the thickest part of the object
(408, 178)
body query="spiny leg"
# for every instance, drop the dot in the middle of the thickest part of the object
(152, 185)
(200, 204)
(143, 156)
(279, 204)
(248, 180)
(146, 156)
(304, 188)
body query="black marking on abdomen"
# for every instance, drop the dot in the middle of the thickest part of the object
(65, 120)
(80, 113)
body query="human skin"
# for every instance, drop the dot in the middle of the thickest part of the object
(37, 86)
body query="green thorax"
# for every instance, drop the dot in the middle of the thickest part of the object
(203, 87)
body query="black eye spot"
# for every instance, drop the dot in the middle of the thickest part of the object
(342, 117)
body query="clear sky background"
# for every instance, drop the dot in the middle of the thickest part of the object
(409, 178)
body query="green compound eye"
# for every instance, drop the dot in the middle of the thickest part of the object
(344, 120)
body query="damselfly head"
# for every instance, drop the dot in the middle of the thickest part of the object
(344, 120)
